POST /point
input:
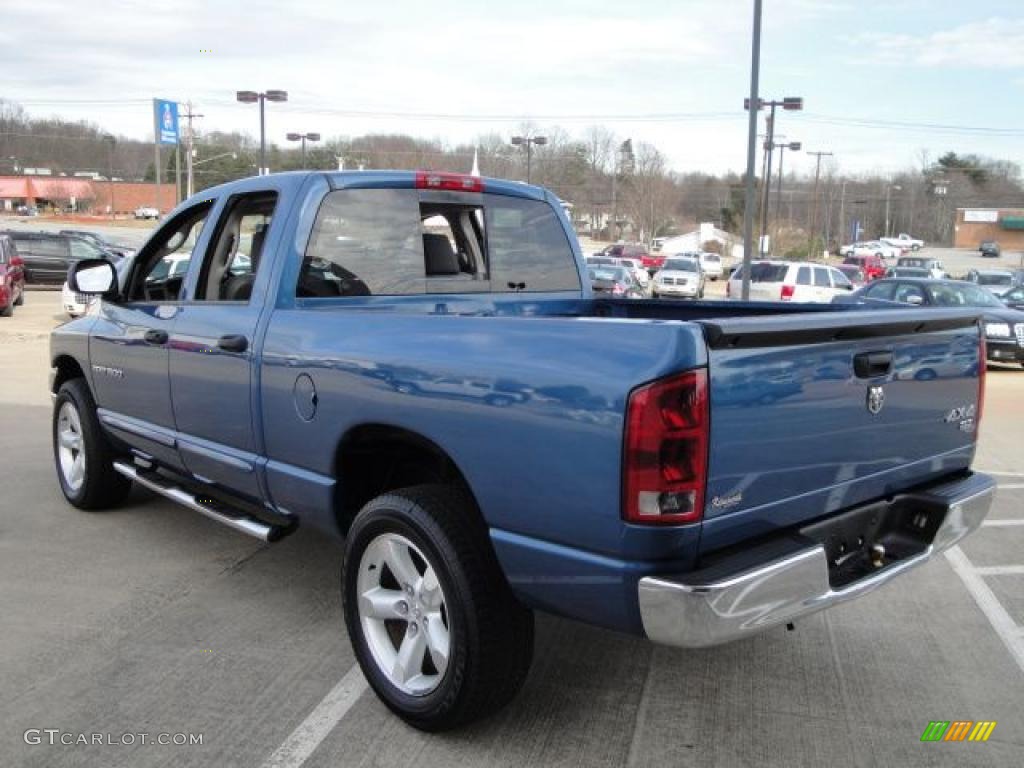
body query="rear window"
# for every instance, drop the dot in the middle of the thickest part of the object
(766, 273)
(370, 242)
(528, 248)
(990, 279)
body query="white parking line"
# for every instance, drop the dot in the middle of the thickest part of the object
(1008, 523)
(314, 729)
(1000, 473)
(1010, 486)
(999, 570)
(989, 604)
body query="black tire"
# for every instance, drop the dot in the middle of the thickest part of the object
(7, 311)
(101, 487)
(491, 633)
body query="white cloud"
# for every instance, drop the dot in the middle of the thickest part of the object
(995, 43)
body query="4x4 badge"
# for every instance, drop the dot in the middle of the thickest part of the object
(876, 399)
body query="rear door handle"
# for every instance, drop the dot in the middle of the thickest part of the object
(154, 336)
(233, 343)
(868, 365)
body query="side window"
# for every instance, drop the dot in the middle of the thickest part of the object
(881, 291)
(80, 249)
(803, 276)
(159, 271)
(364, 242)
(454, 248)
(234, 253)
(906, 292)
(528, 247)
(821, 278)
(841, 281)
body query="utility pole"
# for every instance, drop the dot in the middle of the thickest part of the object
(753, 107)
(842, 213)
(769, 145)
(814, 205)
(189, 149)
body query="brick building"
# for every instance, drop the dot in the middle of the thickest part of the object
(1004, 225)
(84, 194)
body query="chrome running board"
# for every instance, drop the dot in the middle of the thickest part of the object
(239, 521)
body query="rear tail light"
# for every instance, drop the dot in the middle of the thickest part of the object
(787, 292)
(982, 370)
(458, 182)
(666, 449)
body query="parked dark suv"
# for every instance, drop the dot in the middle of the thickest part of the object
(989, 248)
(47, 255)
(12, 277)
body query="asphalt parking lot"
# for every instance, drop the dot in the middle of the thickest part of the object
(151, 619)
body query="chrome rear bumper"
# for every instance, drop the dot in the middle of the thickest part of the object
(726, 603)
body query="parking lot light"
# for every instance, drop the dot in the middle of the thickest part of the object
(529, 142)
(303, 137)
(261, 97)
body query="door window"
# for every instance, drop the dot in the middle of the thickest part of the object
(803, 276)
(365, 242)
(821, 278)
(881, 291)
(235, 252)
(160, 271)
(908, 293)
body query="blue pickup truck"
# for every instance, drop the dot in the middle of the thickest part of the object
(411, 361)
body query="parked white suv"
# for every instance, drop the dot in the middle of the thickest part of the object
(679, 276)
(799, 281)
(711, 264)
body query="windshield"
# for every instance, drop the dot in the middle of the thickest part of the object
(962, 295)
(617, 274)
(994, 279)
(680, 265)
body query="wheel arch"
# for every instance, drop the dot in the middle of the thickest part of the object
(66, 368)
(373, 458)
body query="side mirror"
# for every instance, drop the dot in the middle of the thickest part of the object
(92, 277)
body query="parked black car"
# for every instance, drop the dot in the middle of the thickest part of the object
(1004, 327)
(100, 242)
(47, 255)
(989, 248)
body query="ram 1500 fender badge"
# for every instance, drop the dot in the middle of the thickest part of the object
(106, 370)
(876, 399)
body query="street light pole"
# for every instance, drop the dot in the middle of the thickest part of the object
(252, 97)
(790, 103)
(303, 137)
(528, 142)
(793, 146)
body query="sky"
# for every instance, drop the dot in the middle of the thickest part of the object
(883, 82)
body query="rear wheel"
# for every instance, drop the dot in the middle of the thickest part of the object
(83, 457)
(433, 623)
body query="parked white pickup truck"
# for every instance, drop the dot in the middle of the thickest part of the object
(903, 240)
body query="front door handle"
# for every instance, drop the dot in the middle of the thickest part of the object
(156, 337)
(868, 365)
(233, 343)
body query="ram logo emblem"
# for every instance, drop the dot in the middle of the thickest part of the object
(876, 400)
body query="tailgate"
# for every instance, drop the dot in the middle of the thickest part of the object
(818, 412)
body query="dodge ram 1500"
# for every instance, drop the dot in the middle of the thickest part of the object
(413, 362)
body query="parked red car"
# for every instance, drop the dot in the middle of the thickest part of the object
(12, 278)
(872, 266)
(649, 261)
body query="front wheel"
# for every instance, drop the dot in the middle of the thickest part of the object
(81, 452)
(433, 623)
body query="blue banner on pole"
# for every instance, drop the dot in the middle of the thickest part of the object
(165, 115)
